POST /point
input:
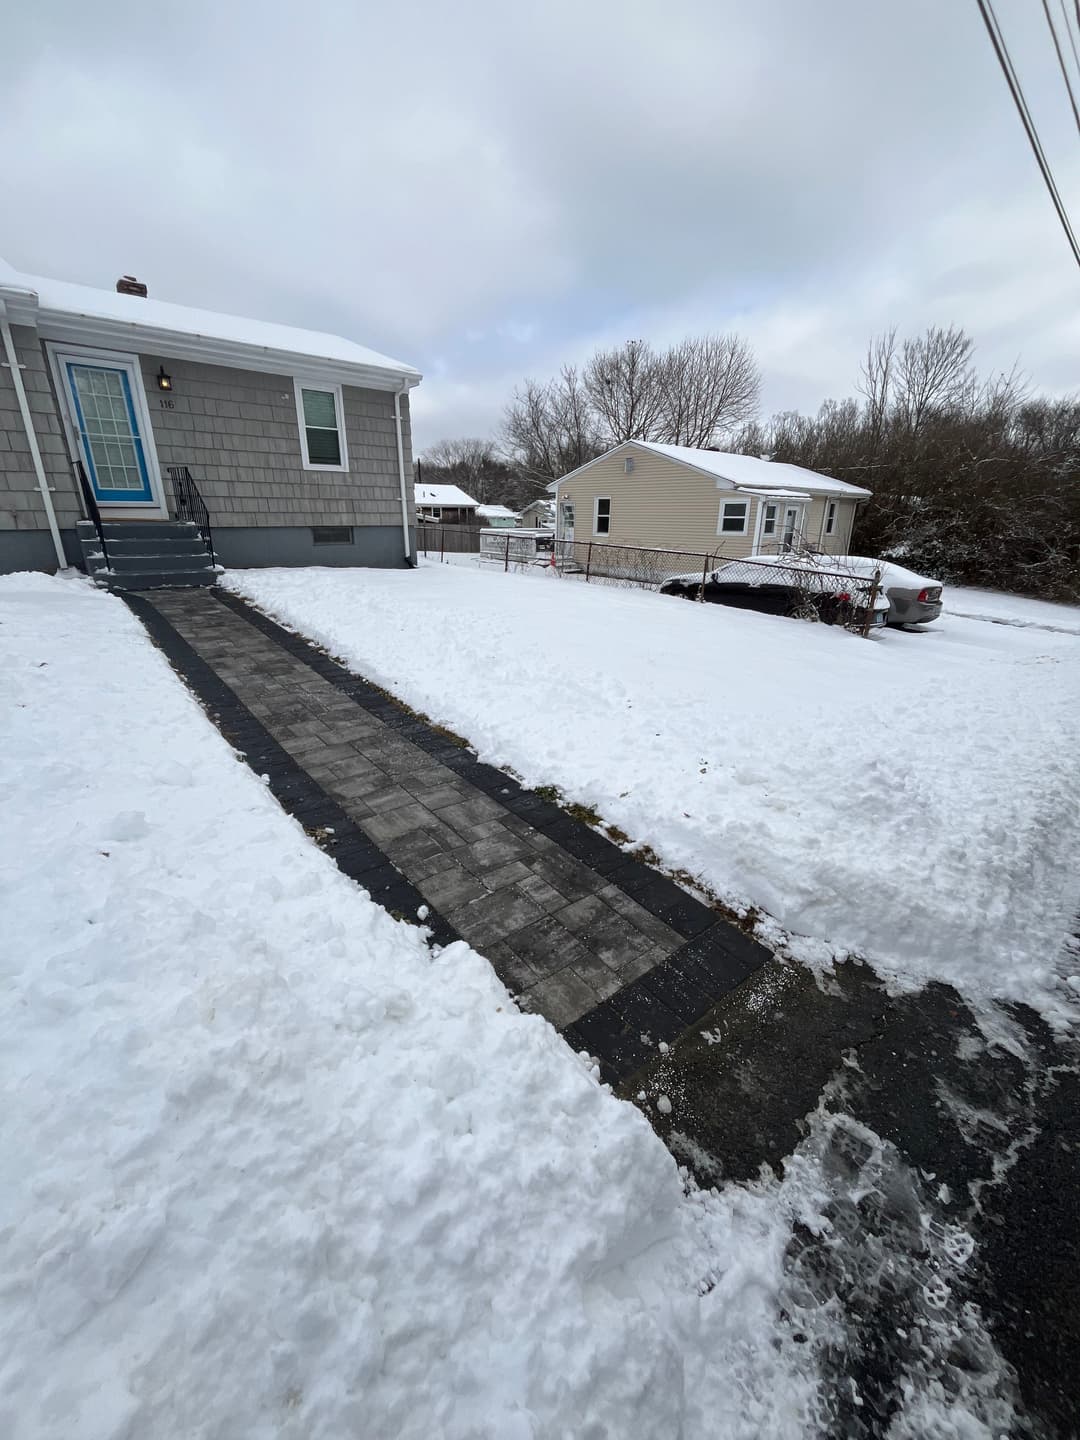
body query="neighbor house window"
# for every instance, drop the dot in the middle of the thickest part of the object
(628, 465)
(331, 534)
(768, 521)
(322, 432)
(733, 515)
(602, 518)
(830, 517)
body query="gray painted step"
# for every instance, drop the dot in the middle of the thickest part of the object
(147, 555)
(128, 564)
(138, 529)
(146, 549)
(156, 580)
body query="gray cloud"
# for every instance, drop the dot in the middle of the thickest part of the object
(487, 190)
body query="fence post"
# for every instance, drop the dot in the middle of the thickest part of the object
(506, 560)
(704, 577)
(588, 563)
(870, 606)
(442, 547)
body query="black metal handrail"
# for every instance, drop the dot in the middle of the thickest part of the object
(91, 506)
(189, 504)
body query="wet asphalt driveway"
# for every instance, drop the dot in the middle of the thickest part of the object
(930, 1132)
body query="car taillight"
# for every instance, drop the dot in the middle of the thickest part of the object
(930, 594)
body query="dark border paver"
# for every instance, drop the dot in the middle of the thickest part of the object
(614, 953)
(298, 793)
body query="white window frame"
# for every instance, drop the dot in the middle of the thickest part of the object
(332, 388)
(832, 514)
(597, 532)
(58, 353)
(745, 503)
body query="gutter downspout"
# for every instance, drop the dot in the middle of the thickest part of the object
(409, 560)
(12, 363)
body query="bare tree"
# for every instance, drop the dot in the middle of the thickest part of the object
(624, 388)
(708, 385)
(472, 464)
(551, 429)
(934, 373)
(877, 376)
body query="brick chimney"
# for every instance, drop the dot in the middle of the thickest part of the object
(128, 285)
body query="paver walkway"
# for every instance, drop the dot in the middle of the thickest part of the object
(576, 929)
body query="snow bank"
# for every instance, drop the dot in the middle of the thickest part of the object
(273, 1169)
(914, 797)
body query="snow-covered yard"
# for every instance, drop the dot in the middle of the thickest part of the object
(272, 1168)
(914, 797)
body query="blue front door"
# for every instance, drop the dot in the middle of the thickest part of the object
(112, 445)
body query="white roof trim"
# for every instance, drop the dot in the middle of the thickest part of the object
(761, 494)
(24, 306)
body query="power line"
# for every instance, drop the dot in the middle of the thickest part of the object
(1061, 63)
(1001, 51)
(1069, 31)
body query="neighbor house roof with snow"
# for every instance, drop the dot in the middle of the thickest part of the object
(742, 472)
(496, 512)
(444, 495)
(62, 311)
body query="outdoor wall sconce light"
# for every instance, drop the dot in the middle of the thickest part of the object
(164, 382)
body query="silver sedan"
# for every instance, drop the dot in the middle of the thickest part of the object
(913, 599)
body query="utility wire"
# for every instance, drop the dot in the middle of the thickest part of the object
(1061, 63)
(986, 10)
(1069, 32)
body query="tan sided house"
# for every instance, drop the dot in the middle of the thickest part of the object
(151, 426)
(671, 497)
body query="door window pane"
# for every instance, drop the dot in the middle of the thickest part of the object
(108, 432)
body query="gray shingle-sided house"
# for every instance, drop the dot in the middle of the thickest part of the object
(705, 501)
(298, 442)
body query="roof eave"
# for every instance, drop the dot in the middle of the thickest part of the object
(236, 354)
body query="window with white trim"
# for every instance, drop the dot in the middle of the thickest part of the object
(768, 519)
(320, 414)
(830, 517)
(602, 516)
(733, 517)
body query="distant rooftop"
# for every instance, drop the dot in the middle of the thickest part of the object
(444, 495)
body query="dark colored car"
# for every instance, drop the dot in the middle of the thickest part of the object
(793, 589)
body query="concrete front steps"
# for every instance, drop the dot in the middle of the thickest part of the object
(147, 555)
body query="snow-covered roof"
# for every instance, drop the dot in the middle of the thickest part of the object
(64, 311)
(444, 495)
(750, 472)
(496, 512)
(741, 472)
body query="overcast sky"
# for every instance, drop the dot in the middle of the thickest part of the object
(488, 189)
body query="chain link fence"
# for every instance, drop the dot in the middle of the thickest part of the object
(795, 585)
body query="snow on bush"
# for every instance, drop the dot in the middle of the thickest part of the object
(914, 797)
(271, 1167)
